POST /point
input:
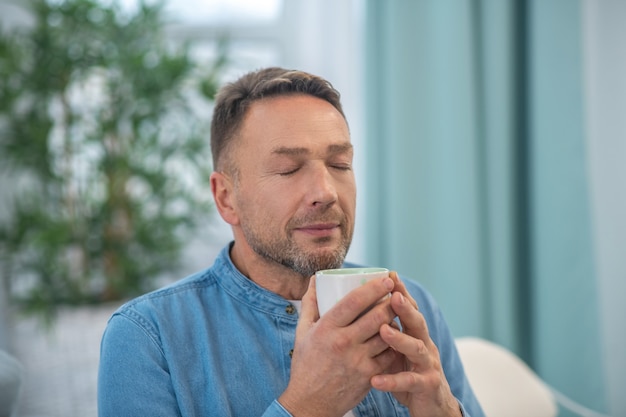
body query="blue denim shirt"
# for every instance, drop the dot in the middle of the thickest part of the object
(217, 344)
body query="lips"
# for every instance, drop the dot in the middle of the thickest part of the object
(319, 229)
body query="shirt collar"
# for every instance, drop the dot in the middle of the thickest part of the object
(247, 291)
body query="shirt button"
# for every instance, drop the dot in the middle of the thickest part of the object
(290, 309)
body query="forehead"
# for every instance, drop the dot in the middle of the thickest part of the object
(301, 121)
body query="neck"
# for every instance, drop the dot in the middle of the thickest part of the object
(270, 275)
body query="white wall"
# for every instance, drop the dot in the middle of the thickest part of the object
(604, 38)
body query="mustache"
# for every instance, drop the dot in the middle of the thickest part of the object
(334, 216)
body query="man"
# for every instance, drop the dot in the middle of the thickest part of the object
(244, 337)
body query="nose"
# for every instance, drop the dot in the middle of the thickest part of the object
(322, 187)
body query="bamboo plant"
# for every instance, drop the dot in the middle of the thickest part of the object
(104, 149)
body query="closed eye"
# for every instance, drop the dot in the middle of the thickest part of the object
(342, 167)
(289, 172)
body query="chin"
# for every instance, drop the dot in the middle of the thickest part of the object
(330, 258)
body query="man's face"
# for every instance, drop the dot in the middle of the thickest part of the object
(295, 192)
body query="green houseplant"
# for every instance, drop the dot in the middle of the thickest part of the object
(104, 139)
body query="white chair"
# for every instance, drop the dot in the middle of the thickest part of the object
(506, 387)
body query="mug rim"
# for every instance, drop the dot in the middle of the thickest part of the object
(351, 271)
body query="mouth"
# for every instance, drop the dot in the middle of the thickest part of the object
(319, 229)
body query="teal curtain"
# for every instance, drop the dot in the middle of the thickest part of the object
(476, 180)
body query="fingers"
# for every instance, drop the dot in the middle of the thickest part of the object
(415, 350)
(400, 287)
(413, 322)
(385, 360)
(420, 369)
(362, 328)
(309, 313)
(365, 329)
(349, 308)
(419, 383)
(400, 382)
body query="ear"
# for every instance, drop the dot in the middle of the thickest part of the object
(223, 193)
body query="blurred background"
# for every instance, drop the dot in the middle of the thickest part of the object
(490, 157)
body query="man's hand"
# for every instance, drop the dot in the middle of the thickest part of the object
(416, 378)
(336, 356)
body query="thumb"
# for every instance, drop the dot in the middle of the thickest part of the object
(309, 313)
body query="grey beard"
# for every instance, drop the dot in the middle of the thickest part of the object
(307, 266)
(288, 254)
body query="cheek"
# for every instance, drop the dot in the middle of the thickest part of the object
(265, 202)
(347, 194)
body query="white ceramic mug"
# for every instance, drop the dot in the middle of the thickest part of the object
(333, 284)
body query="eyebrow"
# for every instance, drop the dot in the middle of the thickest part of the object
(332, 149)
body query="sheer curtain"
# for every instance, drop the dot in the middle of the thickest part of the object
(478, 175)
(605, 66)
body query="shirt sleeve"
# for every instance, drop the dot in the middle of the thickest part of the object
(133, 377)
(276, 410)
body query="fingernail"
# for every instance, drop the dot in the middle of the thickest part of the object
(391, 330)
(402, 299)
(389, 284)
(379, 380)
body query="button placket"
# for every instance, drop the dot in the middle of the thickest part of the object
(291, 310)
